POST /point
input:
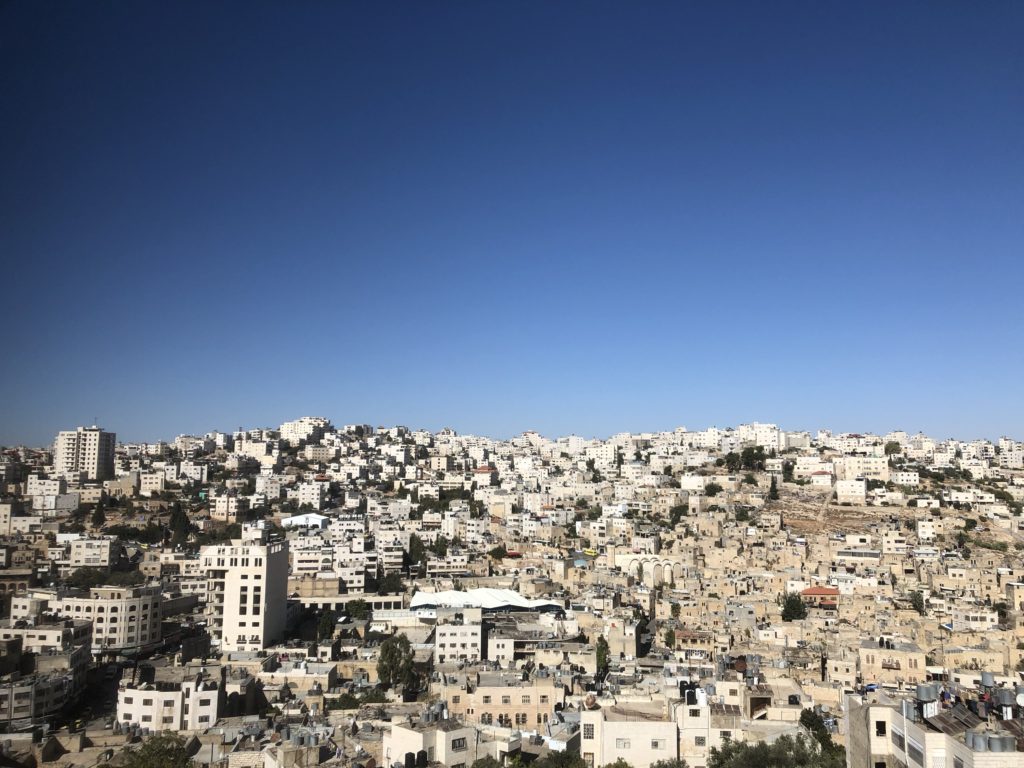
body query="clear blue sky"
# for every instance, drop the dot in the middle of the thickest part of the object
(571, 217)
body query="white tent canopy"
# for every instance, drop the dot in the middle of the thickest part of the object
(485, 598)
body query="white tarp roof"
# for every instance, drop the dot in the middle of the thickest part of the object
(486, 598)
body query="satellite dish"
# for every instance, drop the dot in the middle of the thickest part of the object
(1020, 699)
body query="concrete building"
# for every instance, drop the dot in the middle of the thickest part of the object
(640, 738)
(179, 699)
(125, 619)
(87, 450)
(246, 590)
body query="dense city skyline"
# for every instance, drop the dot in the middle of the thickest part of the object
(691, 428)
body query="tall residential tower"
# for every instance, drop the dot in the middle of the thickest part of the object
(86, 450)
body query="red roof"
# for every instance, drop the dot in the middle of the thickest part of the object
(820, 591)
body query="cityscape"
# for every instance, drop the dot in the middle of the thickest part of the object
(490, 384)
(315, 594)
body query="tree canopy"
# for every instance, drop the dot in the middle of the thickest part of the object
(602, 653)
(793, 608)
(784, 752)
(164, 751)
(395, 662)
(358, 609)
(325, 625)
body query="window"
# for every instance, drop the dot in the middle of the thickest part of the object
(456, 699)
(657, 743)
(726, 735)
(506, 699)
(526, 699)
(694, 713)
(487, 699)
(915, 753)
(588, 731)
(701, 741)
(458, 745)
(543, 699)
(622, 743)
(880, 728)
(147, 702)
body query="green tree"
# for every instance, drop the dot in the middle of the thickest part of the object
(620, 763)
(676, 610)
(86, 578)
(831, 754)
(486, 762)
(498, 553)
(440, 546)
(124, 579)
(784, 752)
(325, 625)
(390, 585)
(733, 462)
(678, 512)
(395, 662)
(753, 457)
(417, 550)
(560, 760)
(670, 638)
(917, 601)
(712, 489)
(675, 762)
(773, 490)
(358, 609)
(179, 525)
(793, 608)
(99, 516)
(164, 751)
(892, 448)
(603, 654)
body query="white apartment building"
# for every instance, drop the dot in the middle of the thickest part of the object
(93, 553)
(246, 590)
(36, 485)
(907, 478)
(86, 450)
(312, 494)
(869, 467)
(125, 619)
(189, 704)
(228, 506)
(306, 429)
(607, 735)
(851, 491)
(458, 642)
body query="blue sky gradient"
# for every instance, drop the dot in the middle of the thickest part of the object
(570, 217)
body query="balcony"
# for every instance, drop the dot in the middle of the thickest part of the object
(890, 664)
